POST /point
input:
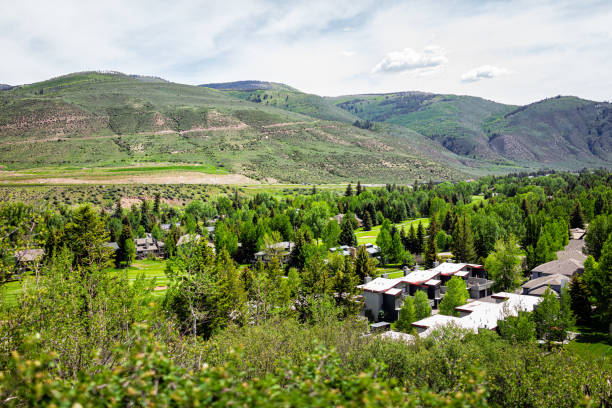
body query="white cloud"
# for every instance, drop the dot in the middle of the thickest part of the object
(483, 72)
(348, 53)
(409, 60)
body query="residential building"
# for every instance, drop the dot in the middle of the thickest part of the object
(281, 249)
(384, 297)
(340, 217)
(568, 267)
(537, 287)
(149, 246)
(480, 314)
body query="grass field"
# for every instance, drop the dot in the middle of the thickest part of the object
(593, 342)
(152, 269)
(369, 237)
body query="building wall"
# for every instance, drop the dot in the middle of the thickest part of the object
(373, 302)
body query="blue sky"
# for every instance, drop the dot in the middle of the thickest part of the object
(508, 51)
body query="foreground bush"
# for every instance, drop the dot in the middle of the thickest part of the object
(150, 378)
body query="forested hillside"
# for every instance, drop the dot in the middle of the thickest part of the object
(561, 132)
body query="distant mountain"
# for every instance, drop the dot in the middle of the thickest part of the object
(5, 87)
(561, 132)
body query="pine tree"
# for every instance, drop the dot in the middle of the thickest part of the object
(577, 217)
(420, 239)
(118, 210)
(157, 204)
(579, 293)
(298, 254)
(422, 307)
(367, 221)
(411, 244)
(463, 241)
(127, 249)
(358, 190)
(349, 190)
(566, 314)
(347, 235)
(431, 250)
(364, 264)
(407, 316)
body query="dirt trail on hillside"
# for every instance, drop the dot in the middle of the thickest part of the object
(239, 126)
(285, 124)
(174, 178)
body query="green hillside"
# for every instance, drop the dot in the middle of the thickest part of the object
(77, 123)
(285, 97)
(453, 121)
(562, 132)
(566, 132)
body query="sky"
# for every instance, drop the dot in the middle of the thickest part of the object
(508, 51)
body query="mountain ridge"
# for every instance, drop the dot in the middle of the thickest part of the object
(269, 130)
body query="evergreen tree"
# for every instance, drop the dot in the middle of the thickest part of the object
(407, 316)
(411, 243)
(579, 293)
(566, 314)
(384, 240)
(456, 295)
(349, 190)
(431, 250)
(358, 189)
(420, 239)
(577, 217)
(397, 248)
(598, 278)
(157, 204)
(364, 264)
(367, 221)
(345, 285)
(127, 249)
(422, 307)
(118, 210)
(347, 236)
(298, 254)
(463, 241)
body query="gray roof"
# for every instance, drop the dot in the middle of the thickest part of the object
(567, 267)
(554, 280)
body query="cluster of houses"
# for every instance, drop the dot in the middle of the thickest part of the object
(383, 297)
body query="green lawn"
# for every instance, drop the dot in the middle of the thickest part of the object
(369, 237)
(152, 269)
(593, 342)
